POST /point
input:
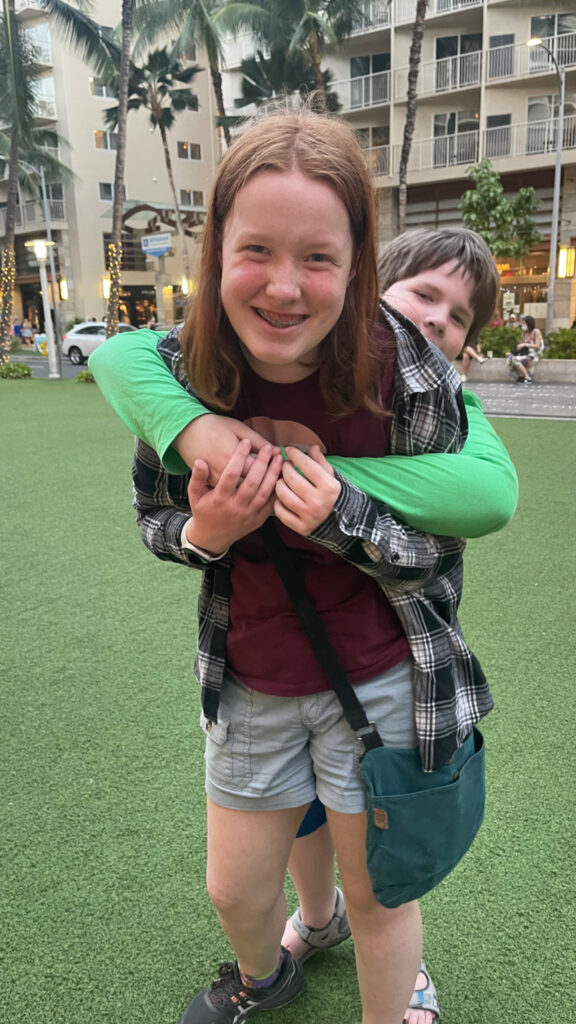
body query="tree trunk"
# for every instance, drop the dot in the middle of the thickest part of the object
(115, 246)
(411, 103)
(8, 272)
(316, 61)
(217, 86)
(179, 228)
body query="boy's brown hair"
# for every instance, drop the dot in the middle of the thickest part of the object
(415, 252)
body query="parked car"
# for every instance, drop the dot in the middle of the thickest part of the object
(81, 340)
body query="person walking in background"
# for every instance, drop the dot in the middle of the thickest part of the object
(27, 332)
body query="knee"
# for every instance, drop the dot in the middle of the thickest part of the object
(236, 900)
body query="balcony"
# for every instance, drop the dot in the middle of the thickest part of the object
(375, 15)
(239, 48)
(42, 53)
(45, 109)
(29, 8)
(519, 61)
(362, 92)
(442, 151)
(31, 214)
(406, 9)
(531, 138)
(511, 142)
(439, 76)
(378, 160)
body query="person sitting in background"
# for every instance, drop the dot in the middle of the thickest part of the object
(512, 321)
(468, 353)
(525, 354)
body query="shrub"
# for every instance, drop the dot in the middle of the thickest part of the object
(71, 323)
(15, 371)
(85, 377)
(561, 344)
(499, 340)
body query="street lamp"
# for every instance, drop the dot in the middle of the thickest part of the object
(41, 247)
(55, 305)
(536, 41)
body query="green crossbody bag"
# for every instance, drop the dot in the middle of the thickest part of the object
(420, 824)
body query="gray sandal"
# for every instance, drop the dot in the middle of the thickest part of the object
(425, 998)
(335, 932)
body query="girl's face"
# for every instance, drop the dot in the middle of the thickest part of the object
(287, 257)
(439, 302)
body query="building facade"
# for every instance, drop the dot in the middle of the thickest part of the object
(72, 99)
(482, 92)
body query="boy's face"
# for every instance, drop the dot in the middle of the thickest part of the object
(439, 302)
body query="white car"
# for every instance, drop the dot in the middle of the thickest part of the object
(82, 339)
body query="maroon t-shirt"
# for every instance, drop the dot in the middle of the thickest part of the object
(267, 648)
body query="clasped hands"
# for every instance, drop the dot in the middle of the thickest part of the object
(301, 492)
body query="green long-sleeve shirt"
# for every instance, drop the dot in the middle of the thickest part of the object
(468, 494)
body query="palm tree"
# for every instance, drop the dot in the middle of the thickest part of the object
(18, 70)
(161, 87)
(297, 26)
(195, 24)
(411, 103)
(17, 100)
(280, 75)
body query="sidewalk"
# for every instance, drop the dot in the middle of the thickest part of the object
(534, 401)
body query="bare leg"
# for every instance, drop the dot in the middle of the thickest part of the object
(247, 857)
(311, 866)
(388, 943)
(465, 361)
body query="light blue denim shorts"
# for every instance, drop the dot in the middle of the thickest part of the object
(269, 753)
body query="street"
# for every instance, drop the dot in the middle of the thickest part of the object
(39, 364)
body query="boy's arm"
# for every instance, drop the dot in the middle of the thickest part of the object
(467, 494)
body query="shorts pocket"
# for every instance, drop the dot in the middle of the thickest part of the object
(227, 753)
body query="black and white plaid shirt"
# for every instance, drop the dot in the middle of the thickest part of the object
(420, 574)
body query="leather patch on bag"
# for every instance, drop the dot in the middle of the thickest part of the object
(380, 818)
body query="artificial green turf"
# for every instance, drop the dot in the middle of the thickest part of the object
(104, 916)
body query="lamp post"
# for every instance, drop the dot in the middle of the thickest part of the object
(536, 41)
(55, 305)
(41, 247)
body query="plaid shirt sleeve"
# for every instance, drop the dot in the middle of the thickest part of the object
(365, 533)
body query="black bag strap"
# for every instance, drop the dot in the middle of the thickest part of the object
(318, 637)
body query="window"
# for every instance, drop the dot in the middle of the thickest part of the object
(132, 256)
(189, 197)
(456, 138)
(189, 151)
(99, 88)
(373, 85)
(501, 56)
(39, 38)
(498, 135)
(55, 190)
(560, 29)
(375, 141)
(105, 140)
(541, 132)
(106, 191)
(458, 61)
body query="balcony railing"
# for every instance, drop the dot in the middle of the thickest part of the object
(436, 76)
(32, 213)
(378, 159)
(28, 5)
(406, 9)
(530, 138)
(45, 109)
(42, 52)
(519, 60)
(375, 14)
(238, 48)
(364, 91)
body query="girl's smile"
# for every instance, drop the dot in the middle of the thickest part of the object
(287, 254)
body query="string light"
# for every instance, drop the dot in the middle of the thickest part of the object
(7, 282)
(115, 271)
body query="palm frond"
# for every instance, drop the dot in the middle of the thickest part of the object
(85, 35)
